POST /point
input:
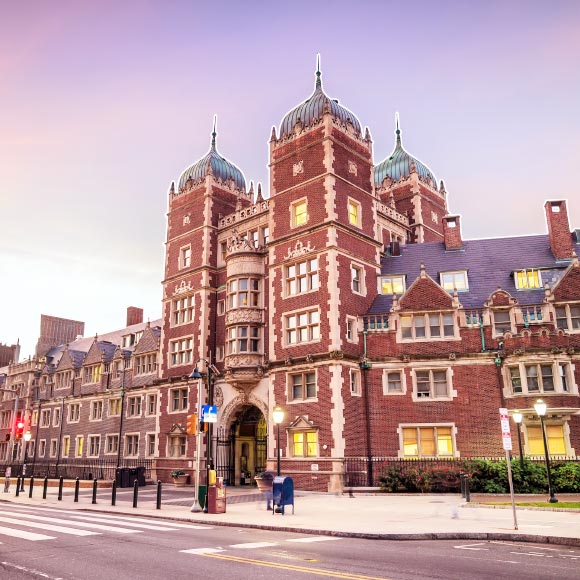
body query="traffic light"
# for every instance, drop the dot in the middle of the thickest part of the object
(191, 424)
(19, 429)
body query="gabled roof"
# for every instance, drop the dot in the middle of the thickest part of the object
(490, 264)
(425, 294)
(149, 342)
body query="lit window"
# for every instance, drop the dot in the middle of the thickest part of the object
(185, 257)
(454, 281)
(305, 444)
(554, 435)
(65, 446)
(568, 316)
(353, 212)
(427, 326)
(302, 386)
(299, 213)
(431, 384)
(243, 339)
(177, 445)
(302, 276)
(79, 441)
(392, 284)
(92, 374)
(528, 279)
(244, 292)
(181, 351)
(427, 442)
(356, 279)
(502, 322)
(182, 310)
(302, 327)
(114, 407)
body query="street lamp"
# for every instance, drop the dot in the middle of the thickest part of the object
(541, 409)
(518, 418)
(278, 416)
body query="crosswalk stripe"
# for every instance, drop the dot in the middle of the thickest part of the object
(125, 523)
(201, 551)
(80, 524)
(251, 545)
(314, 539)
(49, 527)
(23, 535)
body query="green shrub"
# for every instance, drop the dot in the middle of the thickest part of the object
(566, 477)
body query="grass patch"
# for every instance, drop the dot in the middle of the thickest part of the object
(575, 505)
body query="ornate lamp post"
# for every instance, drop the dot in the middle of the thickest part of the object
(541, 409)
(278, 416)
(518, 418)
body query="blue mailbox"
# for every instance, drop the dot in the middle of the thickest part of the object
(282, 494)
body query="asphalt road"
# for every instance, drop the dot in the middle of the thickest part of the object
(56, 543)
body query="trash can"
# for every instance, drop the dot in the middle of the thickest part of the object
(282, 494)
(201, 496)
(136, 474)
(122, 477)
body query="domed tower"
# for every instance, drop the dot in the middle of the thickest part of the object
(323, 260)
(210, 187)
(409, 184)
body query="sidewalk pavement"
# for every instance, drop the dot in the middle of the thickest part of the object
(372, 516)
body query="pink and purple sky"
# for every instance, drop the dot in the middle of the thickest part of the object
(104, 103)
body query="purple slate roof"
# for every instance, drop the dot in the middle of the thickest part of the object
(489, 264)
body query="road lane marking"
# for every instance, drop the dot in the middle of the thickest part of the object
(201, 551)
(521, 545)
(31, 571)
(528, 554)
(293, 568)
(125, 523)
(471, 547)
(314, 539)
(49, 527)
(251, 545)
(24, 535)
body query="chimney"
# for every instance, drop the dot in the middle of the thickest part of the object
(134, 315)
(559, 229)
(452, 232)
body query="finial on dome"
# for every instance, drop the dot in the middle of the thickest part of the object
(398, 130)
(318, 73)
(213, 133)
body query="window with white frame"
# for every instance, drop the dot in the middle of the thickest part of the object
(56, 418)
(65, 446)
(92, 374)
(351, 331)
(145, 364)
(182, 309)
(431, 384)
(392, 284)
(299, 211)
(111, 444)
(301, 276)
(354, 381)
(356, 277)
(79, 442)
(243, 292)
(63, 380)
(96, 411)
(42, 448)
(265, 235)
(223, 251)
(302, 327)
(114, 407)
(528, 279)
(555, 436)
(45, 418)
(427, 441)
(178, 399)
(181, 352)
(304, 443)
(354, 213)
(184, 257)
(546, 377)
(74, 412)
(393, 382)
(302, 386)
(177, 445)
(151, 444)
(427, 326)
(451, 281)
(151, 404)
(94, 445)
(502, 322)
(131, 445)
(134, 406)
(221, 307)
(220, 353)
(568, 317)
(243, 339)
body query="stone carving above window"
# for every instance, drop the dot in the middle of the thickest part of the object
(298, 168)
(183, 287)
(352, 168)
(434, 217)
(186, 219)
(241, 315)
(299, 250)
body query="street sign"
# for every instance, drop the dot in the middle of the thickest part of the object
(506, 435)
(209, 414)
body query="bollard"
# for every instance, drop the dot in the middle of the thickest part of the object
(31, 486)
(114, 493)
(462, 482)
(135, 492)
(45, 487)
(77, 485)
(17, 486)
(60, 484)
(467, 494)
(158, 495)
(94, 491)
(22, 483)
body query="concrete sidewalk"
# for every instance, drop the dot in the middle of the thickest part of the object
(382, 516)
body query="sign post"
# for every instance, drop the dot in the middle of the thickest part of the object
(506, 437)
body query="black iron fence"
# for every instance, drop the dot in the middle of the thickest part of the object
(73, 468)
(358, 472)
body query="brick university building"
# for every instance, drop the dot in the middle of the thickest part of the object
(346, 296)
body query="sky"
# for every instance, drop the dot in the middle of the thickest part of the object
(104, 103)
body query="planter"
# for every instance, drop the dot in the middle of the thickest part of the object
(264, 483)
(180, 480)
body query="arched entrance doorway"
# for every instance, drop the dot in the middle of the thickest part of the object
(242, 447)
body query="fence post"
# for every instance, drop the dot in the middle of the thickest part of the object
(135, 492)
(31, 486)
(45, 487)
(94, 490)
(18, 486)
(77, 485)
(60, 484)
(114, 493)
(158, 494)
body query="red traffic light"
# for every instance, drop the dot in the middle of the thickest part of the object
(20, 425)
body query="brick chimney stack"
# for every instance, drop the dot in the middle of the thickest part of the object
(559, 229)
(452, 232)
(134, 315)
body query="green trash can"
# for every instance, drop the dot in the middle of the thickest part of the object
(202, 496)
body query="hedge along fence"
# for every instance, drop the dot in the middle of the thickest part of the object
(486, 476)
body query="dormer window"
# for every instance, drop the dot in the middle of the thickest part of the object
(393, 285)
(451, 281)
(528, 279)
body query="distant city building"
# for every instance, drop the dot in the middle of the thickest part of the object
(349, 298)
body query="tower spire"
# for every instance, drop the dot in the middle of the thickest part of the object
(398, 130)
(213, 133)
(318, 73)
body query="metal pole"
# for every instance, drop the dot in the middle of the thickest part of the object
(60, 483)
(77, 485)
(13, 433)
(196, 507)
(94, 491)
(552, 498)
(18, 486)
(209, 465)
(121, 419)
(135, 492)
(278, 451)
(520, 447)
(45, 487)
(511, 482)
(31, 486)
(158, 506)
(59, 433)
(114, 493)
